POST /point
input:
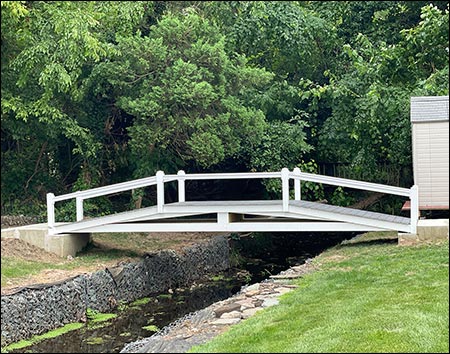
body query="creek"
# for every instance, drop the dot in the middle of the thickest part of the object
(258, 256)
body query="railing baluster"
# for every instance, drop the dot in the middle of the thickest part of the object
(80, 213)
(160, 191)
(50, 210)
(181, 187)
(285, 188)
(297, 186)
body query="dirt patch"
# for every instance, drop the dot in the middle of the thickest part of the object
(15, 248)
(336, 258)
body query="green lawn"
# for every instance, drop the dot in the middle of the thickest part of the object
(368, 296)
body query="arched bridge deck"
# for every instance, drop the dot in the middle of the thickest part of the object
(236, 216)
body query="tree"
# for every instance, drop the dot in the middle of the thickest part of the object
(369, 124)
(50, 140)
(188, 97)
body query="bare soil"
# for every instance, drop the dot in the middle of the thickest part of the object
(12, 247)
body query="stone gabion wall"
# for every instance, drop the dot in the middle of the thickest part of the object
(33, 311)
(17, 220)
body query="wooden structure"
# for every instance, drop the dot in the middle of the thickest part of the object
(285, 214)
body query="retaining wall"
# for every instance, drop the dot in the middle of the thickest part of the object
(37, 309)
(17, 220)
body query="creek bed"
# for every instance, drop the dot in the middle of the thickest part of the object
(261, 255)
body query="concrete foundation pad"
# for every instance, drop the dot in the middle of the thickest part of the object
(62, 245)
(407, 239)
(428, 231)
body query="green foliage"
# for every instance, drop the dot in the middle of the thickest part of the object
(151, 328)
(380, 20)
(425, 46)
(141, 302)
(39, 338)
(95, 93)
(369, 123)
(95, 316)
(95, 340)
(340, 197)
(282, 36)
(283, 145)
(180, 85)
(41, 75)
(310, 190)
(51, 121)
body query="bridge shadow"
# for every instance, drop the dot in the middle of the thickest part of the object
(96, 249)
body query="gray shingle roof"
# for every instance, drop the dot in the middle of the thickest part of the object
(429, 108)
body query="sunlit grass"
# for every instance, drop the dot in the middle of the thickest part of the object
(368, 296)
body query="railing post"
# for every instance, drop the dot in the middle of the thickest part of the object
(297, 187)
(160, 190)
(414, 208)
(50, 212)
(285, 188)
(181, 189)
(79, 203)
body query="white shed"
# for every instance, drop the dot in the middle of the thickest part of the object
(430, 148)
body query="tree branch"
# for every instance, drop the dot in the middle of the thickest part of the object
(36, 166)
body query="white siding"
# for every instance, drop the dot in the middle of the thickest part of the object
(431, 162)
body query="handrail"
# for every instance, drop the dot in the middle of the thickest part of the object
(236, 175)
(369, 186)
(285, 175)
(113, 188)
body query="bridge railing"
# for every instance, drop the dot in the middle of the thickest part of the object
(80, 196)
(412, 193)
(181, 177)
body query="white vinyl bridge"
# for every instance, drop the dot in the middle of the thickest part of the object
(286, 214)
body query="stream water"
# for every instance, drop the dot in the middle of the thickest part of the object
(261, 256)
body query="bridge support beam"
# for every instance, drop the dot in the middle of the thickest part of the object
(428, 232)
(235, 227)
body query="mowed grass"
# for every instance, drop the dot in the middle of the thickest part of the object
(368, 296)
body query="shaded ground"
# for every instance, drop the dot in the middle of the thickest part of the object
(142, 243)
